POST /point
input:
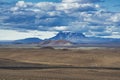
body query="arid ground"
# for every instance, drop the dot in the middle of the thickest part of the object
(60, 64)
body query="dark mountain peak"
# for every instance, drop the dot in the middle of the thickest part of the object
(69, 36)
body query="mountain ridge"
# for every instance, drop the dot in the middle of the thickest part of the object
(65, 38)
(77, 37)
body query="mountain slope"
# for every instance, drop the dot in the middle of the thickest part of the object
(69, 36)
(76, 37)
(56, 43)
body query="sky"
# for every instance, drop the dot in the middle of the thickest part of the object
(45, 18)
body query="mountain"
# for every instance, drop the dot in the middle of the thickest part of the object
(56, 43)
(69, 36)
(27, 41)
(5, 42)
(65, 39)
(77, 37)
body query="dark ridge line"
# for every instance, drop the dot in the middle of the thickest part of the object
(60, 67)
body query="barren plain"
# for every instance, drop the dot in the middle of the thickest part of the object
(59, 64)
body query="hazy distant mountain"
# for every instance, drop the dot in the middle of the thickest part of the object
(27, 40)
(65, 39)
(76, 37)
(5, 42)
(69, 36)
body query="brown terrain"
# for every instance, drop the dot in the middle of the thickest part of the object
(59, 64)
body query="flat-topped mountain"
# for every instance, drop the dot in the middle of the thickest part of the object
(28, 40)
(69, 36)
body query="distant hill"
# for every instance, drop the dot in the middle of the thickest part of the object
(27, 40)
(5, 42)
(56, 43)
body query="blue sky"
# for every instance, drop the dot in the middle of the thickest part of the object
(33, 18)
(112, 5)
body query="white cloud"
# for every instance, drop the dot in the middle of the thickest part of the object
(81, 1)
(71, 15)
(115, 17)
(14, 35)
(14, 9)
(112, 36)
(60, 28)
(76, 7)
(69, 1)
(21, 4)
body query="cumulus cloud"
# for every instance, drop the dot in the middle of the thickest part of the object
(81, 1)
(21, 4)
(15, 35)
(60, 28)
(85, 16)
(115, 17)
